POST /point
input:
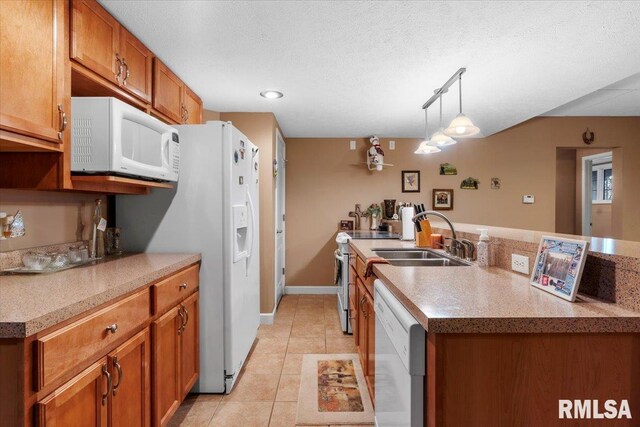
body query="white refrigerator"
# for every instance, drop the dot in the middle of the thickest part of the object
(213, 210)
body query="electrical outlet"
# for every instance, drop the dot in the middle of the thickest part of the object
(392, 145)
(352, 145)
(520, 263)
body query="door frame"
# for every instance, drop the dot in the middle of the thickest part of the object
(280, 187)
(587, 167)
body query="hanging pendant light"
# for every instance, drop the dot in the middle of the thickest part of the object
(424, 148)
(440, 139)
(461, 126)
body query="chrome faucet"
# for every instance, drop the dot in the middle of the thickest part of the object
(469, 249)
(439, 215)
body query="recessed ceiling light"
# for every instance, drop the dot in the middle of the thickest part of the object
(271, 94)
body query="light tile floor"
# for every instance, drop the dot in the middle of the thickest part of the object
(266, 393)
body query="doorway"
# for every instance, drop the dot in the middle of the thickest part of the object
(280, 163)
(597, 194)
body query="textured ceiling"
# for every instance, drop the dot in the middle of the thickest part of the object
(619, 99)
(362, 68)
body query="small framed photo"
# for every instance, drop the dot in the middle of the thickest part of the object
(442, 199)
(410, 181)
(558, 267)
(346, 225)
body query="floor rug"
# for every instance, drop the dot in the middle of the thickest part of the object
(333, 391)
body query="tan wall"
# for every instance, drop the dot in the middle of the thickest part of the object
(49, 217)
(260, 128)
(325, 179)
(209, 115)
(601, 224)
(565, 190)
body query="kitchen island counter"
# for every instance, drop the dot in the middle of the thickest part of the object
(490, 300)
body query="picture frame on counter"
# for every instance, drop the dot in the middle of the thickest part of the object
(559, 265)
(410, 181)
(442, 199)
(346, 225)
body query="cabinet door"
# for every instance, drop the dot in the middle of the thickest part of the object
(167, 92)
(137, 62)
(362, 326)
(189, 345)
(131, 395)
(166, 367)
(193, 107)
(33, 82)
(81, 402)
(371, 344)
(95, 39)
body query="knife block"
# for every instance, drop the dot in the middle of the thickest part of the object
(423, 240)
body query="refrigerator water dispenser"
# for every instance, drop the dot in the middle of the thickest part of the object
(240, 225)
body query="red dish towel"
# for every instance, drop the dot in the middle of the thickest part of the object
(368, 267)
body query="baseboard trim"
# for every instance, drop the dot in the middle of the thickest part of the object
(268, 318)
(310, 290)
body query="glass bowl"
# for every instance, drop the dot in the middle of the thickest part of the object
(35, 260)
(59, 260)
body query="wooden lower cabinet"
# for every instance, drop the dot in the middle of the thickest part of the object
(189, 346)
(131, 391)
(364, 327)
(81, 402)
(166, 366)
(176, 358)
(114, 391)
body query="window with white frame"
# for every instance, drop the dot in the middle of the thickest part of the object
(601, 183)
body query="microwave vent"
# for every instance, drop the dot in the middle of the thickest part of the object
(82, 148)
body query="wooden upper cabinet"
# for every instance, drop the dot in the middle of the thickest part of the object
(131, 395)
(193, 107)
(190, 346)
(95, 39)
(137, 63)
(34, 86)
(83, 401)
(168, 91)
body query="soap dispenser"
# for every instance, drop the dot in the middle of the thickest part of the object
(483, 248)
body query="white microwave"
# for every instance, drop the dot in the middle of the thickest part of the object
(110, 137)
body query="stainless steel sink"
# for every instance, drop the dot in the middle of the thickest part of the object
(433, 262)
(407, 254)
(411, 257)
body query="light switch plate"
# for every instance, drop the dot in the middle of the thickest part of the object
(528, 199)
(520, 263)
(392, 145)
(352, 145)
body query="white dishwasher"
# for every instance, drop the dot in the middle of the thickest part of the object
(400, 363)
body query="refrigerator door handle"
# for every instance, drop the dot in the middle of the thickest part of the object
(253, 227)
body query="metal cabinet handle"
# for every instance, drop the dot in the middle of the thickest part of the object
(119, 62)
(181, 320)
(126, 73)
(362, 301)
(186, 316)
(106, 373)
(112, 328)
(63, 121)
(119, 369)
(183, 286)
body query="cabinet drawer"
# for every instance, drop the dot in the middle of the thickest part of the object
(63, 350)
(368, 282)
(168, 292)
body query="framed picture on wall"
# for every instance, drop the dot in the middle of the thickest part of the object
(558, 267)
(442, 199)
(410, 181)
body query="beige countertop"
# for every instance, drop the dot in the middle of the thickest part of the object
(32, 303)
(490, 300)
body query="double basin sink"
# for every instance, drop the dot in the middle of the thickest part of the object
(419, 258)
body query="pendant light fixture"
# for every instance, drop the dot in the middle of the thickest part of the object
(424, 148)
(440, 139)
(461, 126)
